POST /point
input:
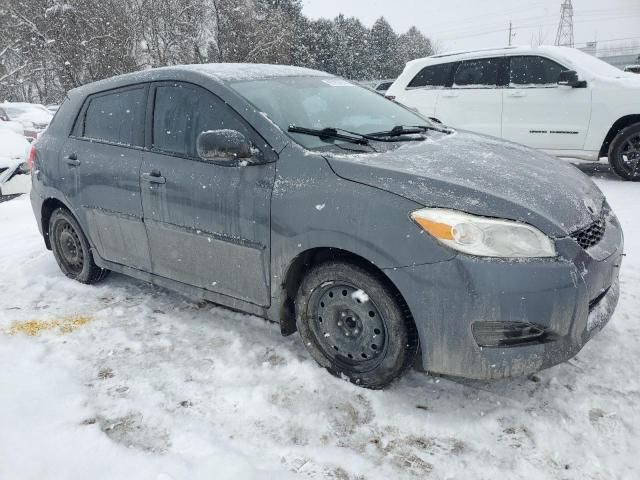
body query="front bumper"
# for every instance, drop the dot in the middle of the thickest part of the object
(571, 297)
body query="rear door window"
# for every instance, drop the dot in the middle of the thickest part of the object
(116, 117)
(433, 76)
(533, 71)
(480, 73)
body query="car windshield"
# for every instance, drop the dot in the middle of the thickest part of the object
(324, 102)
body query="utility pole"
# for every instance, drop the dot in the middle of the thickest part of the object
(564, 37)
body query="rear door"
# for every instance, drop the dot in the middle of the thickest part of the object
(538, 112)
(474, 100)
(208, 224)
(101, 161)
(422, 91)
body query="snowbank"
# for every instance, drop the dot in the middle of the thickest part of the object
(153, 386)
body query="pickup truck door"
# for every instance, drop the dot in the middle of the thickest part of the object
(540, 113)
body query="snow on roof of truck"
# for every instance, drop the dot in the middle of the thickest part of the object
(479, 50)
(572, 57)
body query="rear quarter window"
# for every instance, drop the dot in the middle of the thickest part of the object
(433, 76)
(116, 117)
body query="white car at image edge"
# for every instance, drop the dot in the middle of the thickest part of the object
(556, 99)
(14, 176)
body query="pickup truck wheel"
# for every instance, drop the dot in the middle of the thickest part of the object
(624, 153)
(354, 326)
(71, 249)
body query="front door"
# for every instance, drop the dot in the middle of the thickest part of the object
(474, 101)
(538, 112)
(208, 224)
(101, 163)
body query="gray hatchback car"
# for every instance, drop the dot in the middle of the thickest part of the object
(386, 241)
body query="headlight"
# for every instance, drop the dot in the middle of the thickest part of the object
(486, 237)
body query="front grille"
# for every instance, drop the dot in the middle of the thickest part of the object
(591, 235)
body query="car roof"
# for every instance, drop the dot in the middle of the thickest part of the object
(220, 72)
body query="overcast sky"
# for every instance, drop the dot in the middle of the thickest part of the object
(462, 24)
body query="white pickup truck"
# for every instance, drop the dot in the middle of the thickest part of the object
(556, 99)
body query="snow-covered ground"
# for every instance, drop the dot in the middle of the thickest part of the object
(128, 381)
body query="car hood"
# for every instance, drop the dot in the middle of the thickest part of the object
(483, 176)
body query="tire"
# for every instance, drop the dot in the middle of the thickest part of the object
(71, 249)
(354, 326)
(624, 153)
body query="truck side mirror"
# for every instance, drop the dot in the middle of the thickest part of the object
(569, 78)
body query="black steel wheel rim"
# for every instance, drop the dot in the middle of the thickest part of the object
(348, 327)
(630, 156)
(69, 246)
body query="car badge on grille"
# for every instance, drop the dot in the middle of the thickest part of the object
(590, 204)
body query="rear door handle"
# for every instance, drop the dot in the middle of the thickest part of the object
(72, 159)
(153, 177)
(450, 94)
(517, 94)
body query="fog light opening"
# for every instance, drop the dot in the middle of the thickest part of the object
(505, 334)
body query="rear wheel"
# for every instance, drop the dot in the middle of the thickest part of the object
(624, 153)
(354, 325)
(71, 249)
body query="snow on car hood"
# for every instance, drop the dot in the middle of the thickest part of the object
(483, 176)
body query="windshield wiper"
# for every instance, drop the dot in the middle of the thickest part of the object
(401, 130)
(330, 133)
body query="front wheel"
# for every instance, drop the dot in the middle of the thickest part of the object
(624, 153)
(354, 325)
(71, 248)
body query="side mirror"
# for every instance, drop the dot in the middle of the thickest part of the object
(569, 78)
(223, 146)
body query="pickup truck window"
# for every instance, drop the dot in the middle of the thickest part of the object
(477, 73)
(534, 70)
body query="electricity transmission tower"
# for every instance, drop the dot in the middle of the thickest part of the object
(564, 37)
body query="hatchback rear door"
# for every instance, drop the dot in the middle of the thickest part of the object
(208, 223)
(100, 166)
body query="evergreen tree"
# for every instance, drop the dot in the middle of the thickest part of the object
(384, 54)
(413, 44)
(351, 50)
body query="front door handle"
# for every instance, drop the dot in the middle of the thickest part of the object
(72, 159)
(153, 177)
(517, 94)
(450, 94)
